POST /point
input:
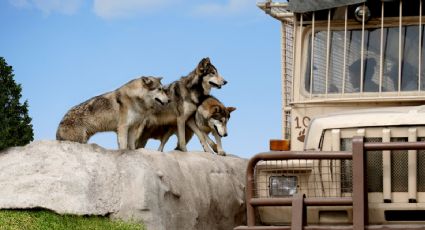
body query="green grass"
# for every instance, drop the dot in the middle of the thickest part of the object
(47, 220)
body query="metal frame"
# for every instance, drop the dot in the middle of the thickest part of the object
(299, 202)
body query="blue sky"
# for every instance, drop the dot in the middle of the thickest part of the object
(66, 51)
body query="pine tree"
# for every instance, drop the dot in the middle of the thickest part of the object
(15, 124)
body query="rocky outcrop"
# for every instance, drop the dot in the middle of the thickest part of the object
(175, 190)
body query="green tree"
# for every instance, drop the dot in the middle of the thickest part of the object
(15, 124)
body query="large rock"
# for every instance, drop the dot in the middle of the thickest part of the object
(176, 190)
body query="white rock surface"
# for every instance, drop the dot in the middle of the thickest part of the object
(175, 190)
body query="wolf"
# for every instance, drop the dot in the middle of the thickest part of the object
(123, 111)
(186, 94)
(210, 117)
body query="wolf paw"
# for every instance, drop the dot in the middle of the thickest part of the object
(221, 153)
(180, 149)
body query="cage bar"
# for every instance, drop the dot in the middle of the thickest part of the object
(312, 56)
(420, 47)
(400, 49)
(328, 37)
(344, 66)
(362, 51)
(381, 56)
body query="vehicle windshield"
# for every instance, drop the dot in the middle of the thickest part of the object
(396, 71)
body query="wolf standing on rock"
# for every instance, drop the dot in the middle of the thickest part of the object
(124, 111)
(210, 117)
(186, 94)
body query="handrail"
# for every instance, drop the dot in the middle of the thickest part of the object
(359, 201)
(281, 155)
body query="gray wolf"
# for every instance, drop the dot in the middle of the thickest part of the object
(210, 117)
(123, 111)
(186, 94)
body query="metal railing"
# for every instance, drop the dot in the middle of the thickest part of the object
(299, 203)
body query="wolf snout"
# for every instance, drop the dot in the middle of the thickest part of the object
(222, 135)
(224, 82)
(162, 102)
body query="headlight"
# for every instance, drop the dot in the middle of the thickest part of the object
(283, 185)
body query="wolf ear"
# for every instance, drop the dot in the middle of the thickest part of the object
(206, 60)
(159, 78)
(230, 109)
(203, 64)
(147, 81)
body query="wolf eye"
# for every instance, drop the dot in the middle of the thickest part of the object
(215, 117)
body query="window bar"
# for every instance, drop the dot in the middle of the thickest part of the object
(300, 36)
(344, 68)
(328, 52)
(362, 52)
(294, 45)
(381, 59)
(399, 46)
(420, 46)
(312, 56)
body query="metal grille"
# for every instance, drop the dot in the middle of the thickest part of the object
(333, 178)
(346, 166)
(421, 168)
(374, 166)
(314, 178)
(399, 168)
(374, 170)
(287, 74)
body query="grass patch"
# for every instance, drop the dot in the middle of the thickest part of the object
(47, 220)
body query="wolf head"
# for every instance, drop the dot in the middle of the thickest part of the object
(155, 89)
(207, 76)
(219, 118)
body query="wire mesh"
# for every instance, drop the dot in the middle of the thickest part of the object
(399, 168)
(314, 178)
(334, 178)
(421, 168)
(287, 73)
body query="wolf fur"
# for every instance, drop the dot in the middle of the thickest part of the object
(210, 117)
(123, 111)
(186, 94)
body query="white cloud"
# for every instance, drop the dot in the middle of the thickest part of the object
(110, 9)
(231, 7)
(20, 3)
(50, 6)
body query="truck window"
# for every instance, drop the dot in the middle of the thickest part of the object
(372, 65)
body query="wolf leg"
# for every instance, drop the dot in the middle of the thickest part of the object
(220, 150)
(134, 133)
(122, 133)
(211, 143)
(181, 123)
(165, 139)
(141, 143)
(200, 134)
(131, 142)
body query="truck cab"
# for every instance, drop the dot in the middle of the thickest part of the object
(349, 68)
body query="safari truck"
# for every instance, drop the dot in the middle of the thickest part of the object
(352, 154)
